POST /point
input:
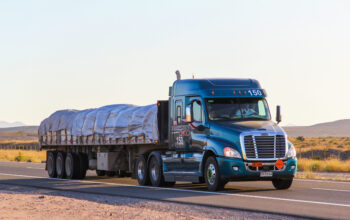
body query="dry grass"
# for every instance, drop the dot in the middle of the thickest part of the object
(23, 155)
(308, 144)
(311, 175)
(331, 165)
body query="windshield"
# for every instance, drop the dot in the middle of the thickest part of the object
(221, 109)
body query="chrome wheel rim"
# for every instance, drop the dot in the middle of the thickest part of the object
(154, 173)
(140, 170)
(211, 174)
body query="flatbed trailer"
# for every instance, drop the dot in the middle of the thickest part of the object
(210, 130)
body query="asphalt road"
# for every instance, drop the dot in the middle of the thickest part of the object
(306, 198)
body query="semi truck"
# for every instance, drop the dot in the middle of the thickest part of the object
(209, 131)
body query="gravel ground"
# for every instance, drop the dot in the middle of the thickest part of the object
(32, 203)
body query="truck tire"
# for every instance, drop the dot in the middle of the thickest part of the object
(156, 172)
(282, 183)
(83, 165)
(60, 165)
(212, 175)
(100, 172)
(71, 166)
(51, 164)
(141, 170)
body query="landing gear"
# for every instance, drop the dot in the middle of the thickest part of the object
(212, 175)
(282, 183)
(100, 172)
(83, 165)
(111, 173)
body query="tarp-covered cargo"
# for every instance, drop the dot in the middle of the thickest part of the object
(110, 124)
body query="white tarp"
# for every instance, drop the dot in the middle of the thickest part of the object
(112, 121)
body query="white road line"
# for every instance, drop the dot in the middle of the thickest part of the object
(186, 190)
(38, 168)
(321, 181)
(16, 162)
(337, 190)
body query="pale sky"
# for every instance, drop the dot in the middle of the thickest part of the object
(85, 54)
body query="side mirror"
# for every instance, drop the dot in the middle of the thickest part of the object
(188, 114)
(278, 114)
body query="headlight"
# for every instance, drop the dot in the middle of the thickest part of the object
(229, 152)
(291, 152)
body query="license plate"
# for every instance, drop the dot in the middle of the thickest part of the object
(265, 174)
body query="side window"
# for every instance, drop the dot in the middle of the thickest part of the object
(178, 114)
(261, 107)
(197, 111)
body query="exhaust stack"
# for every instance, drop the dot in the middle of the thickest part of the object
(178, 75)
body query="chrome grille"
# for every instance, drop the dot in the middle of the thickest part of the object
(265, 147)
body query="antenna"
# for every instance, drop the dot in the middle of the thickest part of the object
(178, 75)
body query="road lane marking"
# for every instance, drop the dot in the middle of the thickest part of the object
(185, 190)
(322, 181)
(18, 162)
(41, 168)
(337, 190)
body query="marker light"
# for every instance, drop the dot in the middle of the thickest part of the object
(234, 92)
(212, 92)
(229, 152)
(264, 92)
(239, 92)
(245, 92)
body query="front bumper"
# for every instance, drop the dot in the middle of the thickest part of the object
(243, 172)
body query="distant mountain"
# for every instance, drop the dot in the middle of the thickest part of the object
(25, 129)
(4, 124)
(340, 128)
(22, 133)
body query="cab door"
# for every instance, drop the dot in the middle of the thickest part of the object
(199, 126)
(179, 137)
(198, 136)
(180, 130)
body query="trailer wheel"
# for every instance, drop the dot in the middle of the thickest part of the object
(100, 172)
(282, 183)
(51, 164)
(60, 165)
(83, 165)
(71, 166)
(155, 173)
(212, 175)
(142, 171)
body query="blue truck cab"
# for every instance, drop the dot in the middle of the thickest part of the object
(220, 130)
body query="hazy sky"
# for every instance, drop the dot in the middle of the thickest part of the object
(83, 54)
